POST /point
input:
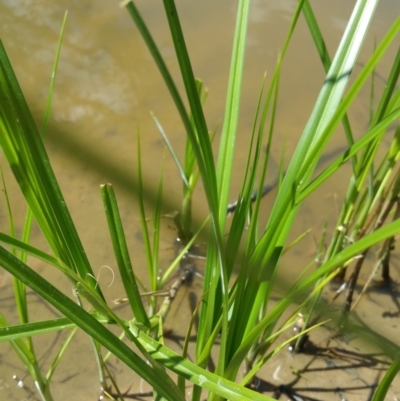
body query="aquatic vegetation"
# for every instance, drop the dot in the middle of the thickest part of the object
(238, 321)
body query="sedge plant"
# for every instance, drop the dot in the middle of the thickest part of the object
(235, 309)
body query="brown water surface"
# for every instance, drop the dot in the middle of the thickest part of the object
(106, 86)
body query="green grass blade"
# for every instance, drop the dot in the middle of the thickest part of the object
(199, 118)
(229, 129)
(15, 332)
(354, 149)
(300, 167)
(29, 249)
(249, 376)
(21, 349)
(390, 375)
(245, 209)
(347, 254)
(28, 159)
(200, 140)
(122, 254)
(29, 360)
(267, 253)
(303, 288)
(352, 93)
(201, 145)
(350, 96)
(326, 61)
(59, 355)
(390, 86)
(272, 93)
(171, 150)
(157, 230)
(316, 35)
(29, 216)
(151, 45)
(201, 377)
(242, 211)
(143, 220)
(226, 154)
(53, 77)
(11, 225)
(19, 288)
(20, 295)
(172, 267)
(89, 324)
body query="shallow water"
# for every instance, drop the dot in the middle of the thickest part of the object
(105, 89)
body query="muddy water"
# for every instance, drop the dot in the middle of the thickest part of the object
(106, 86)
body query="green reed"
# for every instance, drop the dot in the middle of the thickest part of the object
(234, 309)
